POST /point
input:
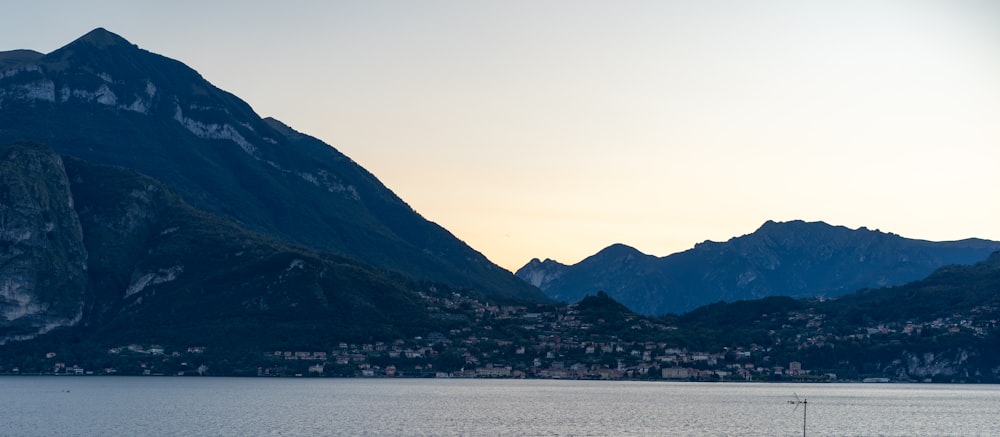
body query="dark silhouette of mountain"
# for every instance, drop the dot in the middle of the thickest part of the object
(105, 101)
(15, 57)
(120, 255)
(163, 271)
(795, 258)
(940, 328)
(952, 289)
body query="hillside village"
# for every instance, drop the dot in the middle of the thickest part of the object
(593, 339)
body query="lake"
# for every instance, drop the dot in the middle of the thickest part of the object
(184, 406)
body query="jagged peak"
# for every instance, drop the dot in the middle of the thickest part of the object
(772, 225)
(537, 263)
(801, 227)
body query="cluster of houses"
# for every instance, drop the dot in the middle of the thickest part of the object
(562, 346)
(537, 342)
(979, 322)
(146, 358)
(649, 360)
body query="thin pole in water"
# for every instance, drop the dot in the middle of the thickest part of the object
(805, 405)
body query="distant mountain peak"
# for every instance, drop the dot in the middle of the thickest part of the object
(94, 47)
(99, 51)
(539, 273)
(621, 247)
(794, 258)
(792, 225)
(799, 226)
(103, 38)
(618, 250)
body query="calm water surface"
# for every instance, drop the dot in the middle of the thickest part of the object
(125, 406)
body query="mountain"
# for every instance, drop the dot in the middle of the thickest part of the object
(950, 290)
(779, 259)
(105, 101)
(941, 328)
(121, 256)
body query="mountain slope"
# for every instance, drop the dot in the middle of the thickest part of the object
(117, 254)
(779, 259)
(962, 289)
(106, 101)
(941, 328)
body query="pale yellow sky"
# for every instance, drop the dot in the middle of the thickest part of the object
(553, 129)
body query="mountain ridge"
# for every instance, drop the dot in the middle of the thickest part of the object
(794, 258)
(103, 99)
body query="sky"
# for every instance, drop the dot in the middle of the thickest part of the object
(552, 129)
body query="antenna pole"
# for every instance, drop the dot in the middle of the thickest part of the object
(805, 406)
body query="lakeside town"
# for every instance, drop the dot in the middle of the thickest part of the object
(548, 342)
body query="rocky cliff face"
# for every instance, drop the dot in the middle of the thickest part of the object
(941, 364)
(119, 211)
(119, 254)
(43, 260)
